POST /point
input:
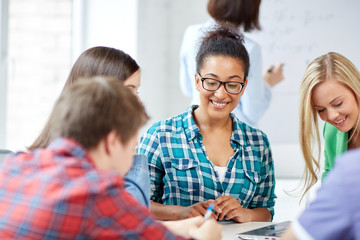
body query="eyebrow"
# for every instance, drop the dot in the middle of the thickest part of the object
(330, 102)
(214, 75)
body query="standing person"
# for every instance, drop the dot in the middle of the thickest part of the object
(206, 154)
(330, 89)
(335, 212)
(73, 188)
(106, 61)
(242, 14)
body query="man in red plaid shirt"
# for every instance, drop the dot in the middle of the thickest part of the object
(74, 188)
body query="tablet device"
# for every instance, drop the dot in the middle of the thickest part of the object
(272, 232)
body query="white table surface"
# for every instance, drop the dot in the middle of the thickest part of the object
(231, 229)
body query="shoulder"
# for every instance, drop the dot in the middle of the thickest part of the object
(251, 45)
(194, 33)
(172, 124)
(250, 135)
(331, 134)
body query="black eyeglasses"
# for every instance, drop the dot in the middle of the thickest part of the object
(231, 87)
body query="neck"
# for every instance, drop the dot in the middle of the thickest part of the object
(99, 157)
(204, 121)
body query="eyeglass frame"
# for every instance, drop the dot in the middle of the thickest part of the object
(221, 83)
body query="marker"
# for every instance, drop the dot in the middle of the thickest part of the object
(272, 68)
(208, 213)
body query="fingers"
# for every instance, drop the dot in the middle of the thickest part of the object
(274, 75)
(270, 68)
(199, 209)
(234, 214)
(227, 205)
(216, 209)
(195, 214)
(278, 71)
(210, 230)
(197, 221)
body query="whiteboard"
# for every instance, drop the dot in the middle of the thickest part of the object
(295, 33)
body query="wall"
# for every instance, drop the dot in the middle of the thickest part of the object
(160, 30)
(294, 32)
(161, 26)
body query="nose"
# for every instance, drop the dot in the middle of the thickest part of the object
(332, 114)
(221, 92)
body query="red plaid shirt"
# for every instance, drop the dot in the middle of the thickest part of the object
(57, 193)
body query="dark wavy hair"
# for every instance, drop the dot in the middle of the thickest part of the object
(240, 13)
(223, 41)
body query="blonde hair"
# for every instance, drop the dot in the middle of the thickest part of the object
(330, 66)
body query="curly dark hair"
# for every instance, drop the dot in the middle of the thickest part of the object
(223, 40)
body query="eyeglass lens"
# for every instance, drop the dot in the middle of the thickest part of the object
(213, 85)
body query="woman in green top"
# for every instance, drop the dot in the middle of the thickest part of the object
(330, 88)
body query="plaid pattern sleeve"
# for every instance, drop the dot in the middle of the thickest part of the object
(264, 194)
(182, 174)
(57, 193)
(115, 213)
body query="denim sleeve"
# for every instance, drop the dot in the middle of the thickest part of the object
(137, 180)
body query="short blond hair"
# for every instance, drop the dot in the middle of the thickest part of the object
(328, 66)
(90, 108)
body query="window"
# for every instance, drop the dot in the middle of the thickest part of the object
(40, 57)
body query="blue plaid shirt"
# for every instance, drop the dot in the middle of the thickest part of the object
(182, 174)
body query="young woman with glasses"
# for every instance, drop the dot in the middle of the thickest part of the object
(244, 17)
(206, 154)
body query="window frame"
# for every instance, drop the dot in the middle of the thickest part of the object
(4, 26)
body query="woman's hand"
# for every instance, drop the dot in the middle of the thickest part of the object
(231, 209)
(199, 209)
(208, 230)
(195, 228)
(274, 74)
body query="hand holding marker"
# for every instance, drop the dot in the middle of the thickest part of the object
(274, 75)
(272, 68)
(208, 213)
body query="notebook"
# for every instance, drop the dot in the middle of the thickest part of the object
(271, 232)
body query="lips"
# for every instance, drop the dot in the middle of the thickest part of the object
(219, 104)
(340, 121)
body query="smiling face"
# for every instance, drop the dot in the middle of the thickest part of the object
(218, 104)
(336, 104)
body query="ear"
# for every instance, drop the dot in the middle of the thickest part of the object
(111, 142)
(244, 88)
(197, 82)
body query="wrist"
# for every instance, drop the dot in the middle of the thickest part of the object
(248, 215)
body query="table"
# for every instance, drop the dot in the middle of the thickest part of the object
(230, 229)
